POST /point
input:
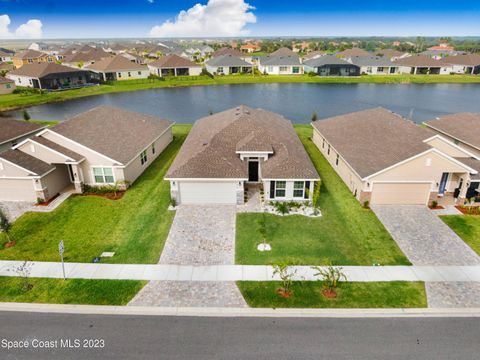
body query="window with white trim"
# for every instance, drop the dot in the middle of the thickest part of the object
(283, 68)
(143, 157)
(280, 187)
(298, 189)
(103, 175)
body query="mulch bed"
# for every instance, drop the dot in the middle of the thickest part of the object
(284, 293)
(474, 210)
(9, 244)
(46, 203)
(110, 195)
(329, 294)
(438, 207)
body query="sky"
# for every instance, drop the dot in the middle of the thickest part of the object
(214, 18)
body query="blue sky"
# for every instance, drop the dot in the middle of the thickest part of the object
(135, 18)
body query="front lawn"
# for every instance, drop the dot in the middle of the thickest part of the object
(308, 294)
(134, 227)
(346, 234)
(72, 291)
(467, 227)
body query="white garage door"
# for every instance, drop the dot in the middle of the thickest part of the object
(400, 193)
(208, 192)
(17, 190)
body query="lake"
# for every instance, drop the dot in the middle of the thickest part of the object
(296, 102)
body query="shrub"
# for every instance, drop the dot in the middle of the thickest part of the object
(330, 276)
(282, 207)
(173, 202)
(312, 73)
(99, 190)
(286, 276)
(434, 204)
(366, 204)
(314, 116)
(26, 115)
(316, 193)
(206, 73)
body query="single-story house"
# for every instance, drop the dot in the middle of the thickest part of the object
(314, 54)
(386, 159)
(280, 65)
(374, 65)
(228, 64)
(232, 52)
(283, 51)
(440, 53)
(6, 66)
(355, 51)
(81, 59)
(392, 54)
(330, 65)
(102, 146)
(31, 57)
(15, 131)
(174, 65)
(118, 68)
(6, 85)
(50, 76)
(227, 151)
(4, 56)
(422, 64)
(463, 64)
(250, 48)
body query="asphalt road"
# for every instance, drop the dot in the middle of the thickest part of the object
(159, 337)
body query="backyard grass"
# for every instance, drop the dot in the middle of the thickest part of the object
(467, 227)
(15, 101)
(134, 227)
(72, 291)
(308, 294)
(346, 234)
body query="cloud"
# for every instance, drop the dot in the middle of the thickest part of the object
(151, 1)
(32, 29)
(216, 18)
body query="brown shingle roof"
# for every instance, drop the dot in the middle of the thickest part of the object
(28, 162)
(6, 66)
(210, 149)
(419, 61)
(29, 54)
(4, 80)
(353, 52)
(39, 70)
(389, 53)
(372, 140)
(462, 126)
(172, 61)
(92, 55)
(59, 148)
(116, 133)
(314, 54)
(284, 51)
(13, 129)
(472, 163)
(228, 51)
(115, 64)
(465, 59)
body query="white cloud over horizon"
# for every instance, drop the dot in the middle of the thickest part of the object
(32, 29)
(216, 18)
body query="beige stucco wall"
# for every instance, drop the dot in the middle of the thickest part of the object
(7, 88)
(467, 147)
(17, 190)
(134, 74)
(9, 170)
(55, 181)
(447, 148)
(42, 153)
(349, 177)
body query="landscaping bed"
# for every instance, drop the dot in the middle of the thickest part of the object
(309, 294)
(345, 234)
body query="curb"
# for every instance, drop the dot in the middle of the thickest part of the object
(239, 312)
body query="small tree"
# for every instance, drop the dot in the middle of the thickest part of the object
(6, 227)
(262, 229)
(314, 116)
(26, 115)
(286, 274)
(330, 277)
(23, 270)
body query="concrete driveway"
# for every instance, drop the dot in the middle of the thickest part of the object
(423, 237)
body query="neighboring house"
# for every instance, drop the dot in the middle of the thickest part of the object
(199, 52)
(81, 59)
(174, 65)
(50, 76)
(38, 46)
(280, 65)
(386, 159)
(15, 131)
(463, 129)
(6, 85)
(348, 53)
(463, 64)
(103, 146)
(250, 48)
(232, 52)
(314, 55)
(31, 57)
(330, 65)
(227, 151)
(283, 51)
(442, 46)
(116, 48)
(374, 65)
(6, 67)
(4, 56)
(134, 58)
(392, 54)
(118, 68)
(228, 64)
(422, 64)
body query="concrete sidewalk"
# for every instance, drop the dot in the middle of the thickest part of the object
(239, 272)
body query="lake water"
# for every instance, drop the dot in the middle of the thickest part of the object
(296, 102)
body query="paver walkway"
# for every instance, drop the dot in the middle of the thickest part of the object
(200, 235)
(427, 240)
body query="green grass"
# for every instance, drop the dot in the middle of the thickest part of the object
(467, 227)
(45, 122)
(15, 101)
(134, 227)
(346, 234)
(71, 291)
(349, 295)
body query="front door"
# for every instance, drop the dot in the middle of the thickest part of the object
(253, 171)
(443, 184)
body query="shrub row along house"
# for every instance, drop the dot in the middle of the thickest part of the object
(386, 159)
(103, 146)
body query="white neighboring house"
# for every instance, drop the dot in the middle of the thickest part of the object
(228, 64)
(374, 65)
(280, 65)
(421, 65)
(5, 57)
(227, 151)
(463, 64)
(118, 68)
(174, 65)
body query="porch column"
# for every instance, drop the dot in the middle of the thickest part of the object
(77, 178)
(463, 191)
(175, 71)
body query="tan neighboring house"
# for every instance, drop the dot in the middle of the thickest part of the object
(386, 159)
(463, 129)
(6, 67)
(232, 52)
(15, 131)
(421, 65)
(174, 65)
(226, 152)
(31, 57)
(355, 51)
(81, 59)
(103, 146)
(118, 68)
(6, 86)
